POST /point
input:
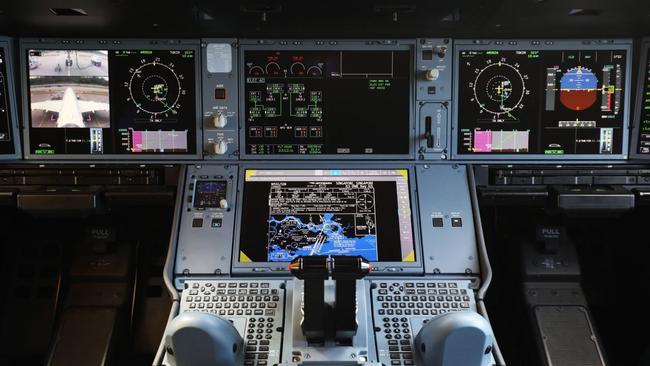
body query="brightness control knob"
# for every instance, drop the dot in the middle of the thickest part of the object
(220, 147)
(432, 74)
(223, 204)
(219, 119)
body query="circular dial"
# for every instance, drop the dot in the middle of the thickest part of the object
(156, 88)
(499, 88)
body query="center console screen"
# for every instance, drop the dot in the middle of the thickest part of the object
(291, 213)
(327, 102)
(542, 100)
(112, 102)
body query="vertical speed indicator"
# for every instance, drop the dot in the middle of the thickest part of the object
(156, 89)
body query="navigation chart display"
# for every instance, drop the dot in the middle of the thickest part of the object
(327, 102)
(293, 213)
(112, 101)
(551, 102)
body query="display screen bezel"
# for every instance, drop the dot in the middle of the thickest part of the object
(327, 45)
(643, 71)
(14, 141)
(384, 267)
(110, 45)
(542, 45)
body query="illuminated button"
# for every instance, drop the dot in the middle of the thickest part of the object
(456, 222)
(216, 223)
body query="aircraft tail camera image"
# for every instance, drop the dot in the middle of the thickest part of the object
(69, 88)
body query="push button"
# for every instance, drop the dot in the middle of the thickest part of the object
(197, 222)
(456, 222)
(437, 222)
(216, 222)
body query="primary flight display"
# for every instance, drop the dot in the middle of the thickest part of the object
(548, 102)
(135, 101)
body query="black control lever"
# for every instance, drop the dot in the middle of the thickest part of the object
(427, 131)
(314, 270)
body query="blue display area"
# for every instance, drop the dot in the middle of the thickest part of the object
(293, 236)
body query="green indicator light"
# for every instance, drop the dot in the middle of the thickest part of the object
(44, 152)
(554, 152)
(492, 52)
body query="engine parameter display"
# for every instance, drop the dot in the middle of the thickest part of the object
(327, 102)
(112, 101)
(291, 213)
(551, 102)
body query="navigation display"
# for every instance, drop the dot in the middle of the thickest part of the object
(327, 102)
(112, 101)
(549, 102)
(643, 146)
(6, 143)
(293, 213)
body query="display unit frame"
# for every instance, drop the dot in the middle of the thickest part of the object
(12, 116)
(328, 45)
(280, 268)
(110, 45)
(542, 45)
(643, 70)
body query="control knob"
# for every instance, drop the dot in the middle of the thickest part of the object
(220, 147)
(223, 204)
(432, 74)
(219, 119)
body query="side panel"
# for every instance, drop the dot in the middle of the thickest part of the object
(219, 79)
(206, 233)
(446, 220)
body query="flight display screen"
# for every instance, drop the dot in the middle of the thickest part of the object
(549, 102)
(291, 213)
(643, 146)
(327, 102)
(112, 101)
(6, 143)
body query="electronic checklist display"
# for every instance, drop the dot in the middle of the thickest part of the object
(542, 99)
(291, 213)
(120, 99)
(8, 137)
(327, 100)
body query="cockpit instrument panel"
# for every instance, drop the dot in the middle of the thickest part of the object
(542, 99)
(8, 136)
(117, 99)
(324, 99)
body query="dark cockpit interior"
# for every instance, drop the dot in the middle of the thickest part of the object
(291, 183)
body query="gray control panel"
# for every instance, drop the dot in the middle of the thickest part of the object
(446, 220)
(207, 220)
(220, 71)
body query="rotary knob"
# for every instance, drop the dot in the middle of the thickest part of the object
(219, 120)
(220, 147)
(223, 204)
(432, 74)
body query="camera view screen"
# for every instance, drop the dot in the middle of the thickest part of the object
(541, 102)
(291, 213)
(6, 144)
(327, 102)
(112, 101)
